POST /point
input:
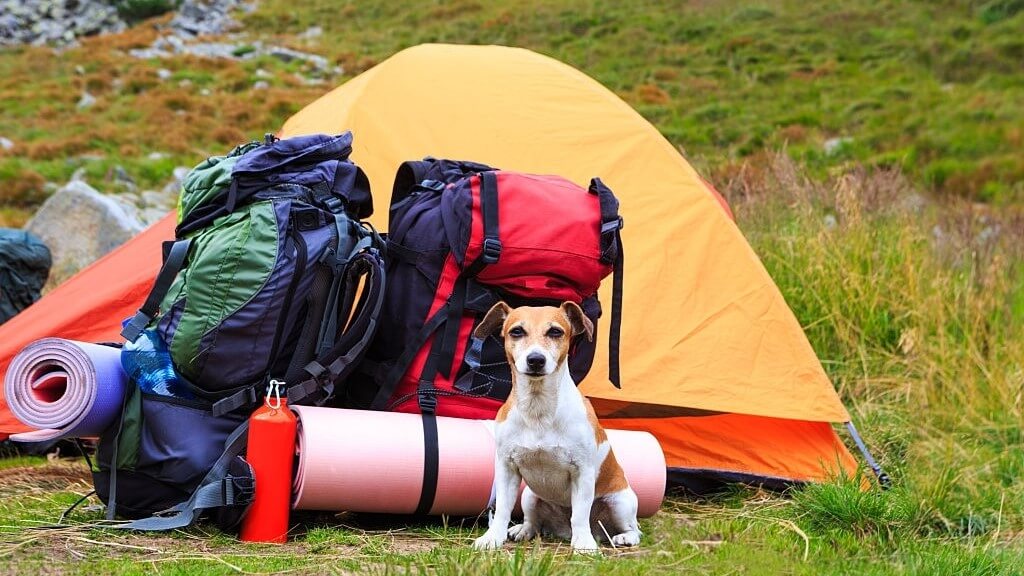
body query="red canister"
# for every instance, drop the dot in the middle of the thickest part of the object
(270, 452)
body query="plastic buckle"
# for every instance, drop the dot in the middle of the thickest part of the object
(243, 489)
(133, 329)
(331, 259)
(334, 204)
(491, 250)
(426, 400)
(613, 225)
(435, 185)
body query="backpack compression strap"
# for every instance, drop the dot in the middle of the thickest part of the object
(217, 489)
(342, 358)
(612, 253)
(442, 351)
(173, 263)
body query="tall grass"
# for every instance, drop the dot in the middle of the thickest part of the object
(914, 308)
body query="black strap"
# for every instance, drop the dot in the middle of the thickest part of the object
(395, 373)
(305, 347)
(490, 251)
(172, 265)
(615, 329)
(612, 253)
(244, 398)
(431, 464)
(342, 359)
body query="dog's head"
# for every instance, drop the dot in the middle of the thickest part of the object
(537, 338)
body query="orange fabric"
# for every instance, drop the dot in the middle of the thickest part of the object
(752, 445)
(88, 307)
(704, 326)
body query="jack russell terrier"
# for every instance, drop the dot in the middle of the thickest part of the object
(547, 434)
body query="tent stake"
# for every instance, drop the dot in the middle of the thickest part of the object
(883, 478)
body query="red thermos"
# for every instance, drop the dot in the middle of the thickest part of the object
(270, 452)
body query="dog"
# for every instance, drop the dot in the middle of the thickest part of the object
(547, 434)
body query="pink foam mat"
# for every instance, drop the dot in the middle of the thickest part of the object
(362, 461)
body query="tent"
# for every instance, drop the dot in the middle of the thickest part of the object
(714, 363)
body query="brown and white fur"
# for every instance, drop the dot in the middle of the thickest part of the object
(547, 434)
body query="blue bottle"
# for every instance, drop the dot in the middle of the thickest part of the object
(147, 362)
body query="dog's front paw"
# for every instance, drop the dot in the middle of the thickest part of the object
(522, 532)
(631, 538)
(490, 541)
(585, 544)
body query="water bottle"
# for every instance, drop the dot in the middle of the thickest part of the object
(147, 362)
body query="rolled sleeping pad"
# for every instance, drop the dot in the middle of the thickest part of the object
(65, 388)
(366, 461)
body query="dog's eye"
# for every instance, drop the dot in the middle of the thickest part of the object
(517, 332)
(555, 332)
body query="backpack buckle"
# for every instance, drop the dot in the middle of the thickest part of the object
(613, 225)
(238, 490)
(491, 250)
(133, 329)
(426, 399)
(333, 204)
(435, 185)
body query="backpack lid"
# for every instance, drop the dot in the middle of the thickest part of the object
(315, 161)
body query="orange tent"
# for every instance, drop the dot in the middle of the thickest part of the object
(713, 361)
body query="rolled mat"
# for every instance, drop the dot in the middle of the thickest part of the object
(363, 461)
(65, 388)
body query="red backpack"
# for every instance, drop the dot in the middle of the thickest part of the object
(463, 236)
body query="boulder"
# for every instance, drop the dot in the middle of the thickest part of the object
(80, 225)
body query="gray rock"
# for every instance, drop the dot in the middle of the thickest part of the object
(150, 216)
(119, 174)
(263, 74)
(59, 23)
(312, 32)
(156, 156)
(6, 144)
(80, 225)
(173, 187)
(160, 200)
(261, 85)
(288, 55)
(86, 101)
(163, 73)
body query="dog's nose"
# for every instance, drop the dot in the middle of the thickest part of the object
(535, 361)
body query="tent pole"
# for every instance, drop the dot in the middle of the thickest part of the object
(883, 478)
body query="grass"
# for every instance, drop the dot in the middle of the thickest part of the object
(909, 289)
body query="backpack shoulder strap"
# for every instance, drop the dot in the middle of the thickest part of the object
(173, 263)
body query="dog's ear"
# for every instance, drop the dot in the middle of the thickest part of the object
(578, 320)
(493, 321)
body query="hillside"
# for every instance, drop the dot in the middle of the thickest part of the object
(933, 88)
